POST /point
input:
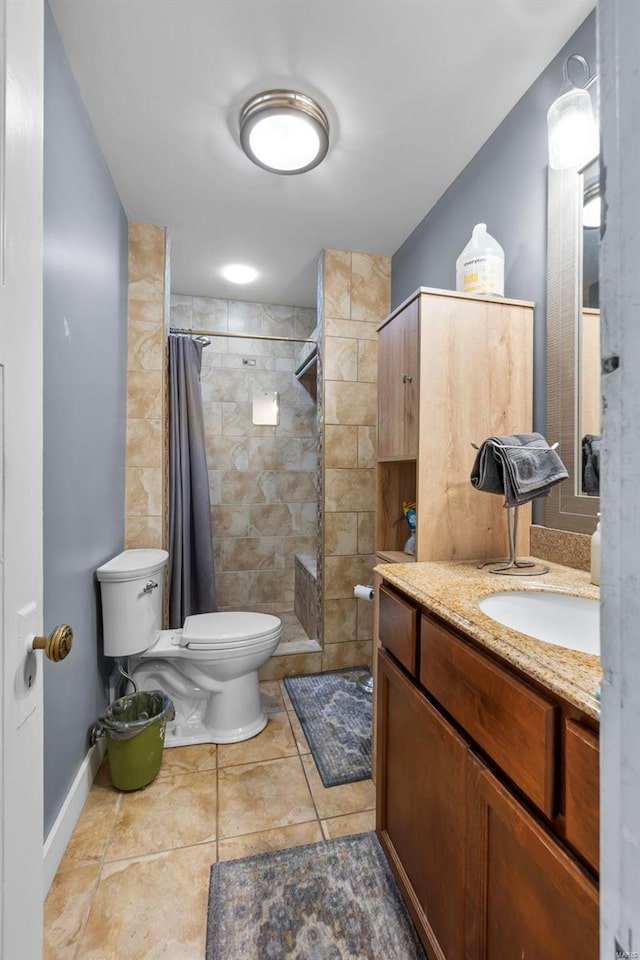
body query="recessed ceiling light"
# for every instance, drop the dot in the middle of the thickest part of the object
(239, 273)
(284, 131)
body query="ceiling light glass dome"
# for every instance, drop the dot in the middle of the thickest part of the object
(239, 273)
(284, 131)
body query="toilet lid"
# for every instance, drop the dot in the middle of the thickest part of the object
(233, 627)
(132, 565)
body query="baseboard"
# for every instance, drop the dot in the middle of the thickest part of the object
(60, 833)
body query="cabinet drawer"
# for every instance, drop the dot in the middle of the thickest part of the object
(398, 628)
(510, 722)
(582, 790)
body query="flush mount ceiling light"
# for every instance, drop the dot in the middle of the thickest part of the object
(284, 131)
(239, 273)
(573, 137)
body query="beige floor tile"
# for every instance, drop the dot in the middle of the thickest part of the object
(92, 832)
(172, 812)
(271, 697)
(338, 801)
(151, 908)
(296, 726)
(285, 696)
(191, 759)
(65, 911)
(268, 840)
(275, 741)
(351, 823)
(298, 732)
(262, 796)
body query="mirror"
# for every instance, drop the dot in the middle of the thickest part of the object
(573, 341)
(588, 472)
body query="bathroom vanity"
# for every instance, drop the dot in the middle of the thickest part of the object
(487, 768)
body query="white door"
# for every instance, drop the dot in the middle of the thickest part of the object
(21, 463)
(618, 34)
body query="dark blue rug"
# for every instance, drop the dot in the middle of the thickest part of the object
(333, 900)
(336, 715)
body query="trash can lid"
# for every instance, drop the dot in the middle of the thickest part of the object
(132, 564)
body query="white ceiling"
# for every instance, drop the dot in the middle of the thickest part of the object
(412, 89)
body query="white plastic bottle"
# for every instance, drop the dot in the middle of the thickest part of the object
(480, 266)
(595, 555)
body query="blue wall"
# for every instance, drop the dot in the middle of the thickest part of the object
(504, 186)
(85, 354)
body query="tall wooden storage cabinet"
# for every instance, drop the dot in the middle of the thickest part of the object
(453, 369)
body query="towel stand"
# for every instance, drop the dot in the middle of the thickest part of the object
(510, 566)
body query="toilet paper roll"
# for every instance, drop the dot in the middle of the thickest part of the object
(363, 593)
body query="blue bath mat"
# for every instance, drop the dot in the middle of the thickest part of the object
(337, 899)
(335, 713)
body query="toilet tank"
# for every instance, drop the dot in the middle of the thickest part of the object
(132, 587)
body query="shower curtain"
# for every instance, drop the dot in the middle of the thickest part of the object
(191, 573)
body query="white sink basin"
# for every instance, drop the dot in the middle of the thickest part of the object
(571, 622)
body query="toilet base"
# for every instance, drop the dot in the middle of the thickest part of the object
(187, 734)
(207, 709)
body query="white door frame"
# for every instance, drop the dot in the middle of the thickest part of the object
(618, 34)
(21, 754)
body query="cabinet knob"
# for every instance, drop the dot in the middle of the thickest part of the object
(406, 378)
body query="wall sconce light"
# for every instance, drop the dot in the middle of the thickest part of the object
(284, 132)
(573, 137)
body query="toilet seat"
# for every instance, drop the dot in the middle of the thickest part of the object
(168, 646)
(214, 635)
(214, 631)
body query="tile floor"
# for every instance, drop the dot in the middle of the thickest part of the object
(134, 879)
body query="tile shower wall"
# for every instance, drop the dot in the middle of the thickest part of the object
(354, 293)
(262, 480)
(147, 427)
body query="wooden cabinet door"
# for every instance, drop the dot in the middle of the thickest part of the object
(582, 790)
(526, 896)
(398, 372)
(421, 809)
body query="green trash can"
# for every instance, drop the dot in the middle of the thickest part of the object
(134, 727)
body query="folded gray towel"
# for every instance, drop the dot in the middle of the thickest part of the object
(591, 464)
(521, 466)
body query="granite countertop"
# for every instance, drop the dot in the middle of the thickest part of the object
(451, 589)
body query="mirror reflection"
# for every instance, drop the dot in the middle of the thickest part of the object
(573, 335)
(589, 334)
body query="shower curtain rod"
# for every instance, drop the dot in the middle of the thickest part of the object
(240, 336)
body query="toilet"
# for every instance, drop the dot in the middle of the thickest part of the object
(209, 668)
